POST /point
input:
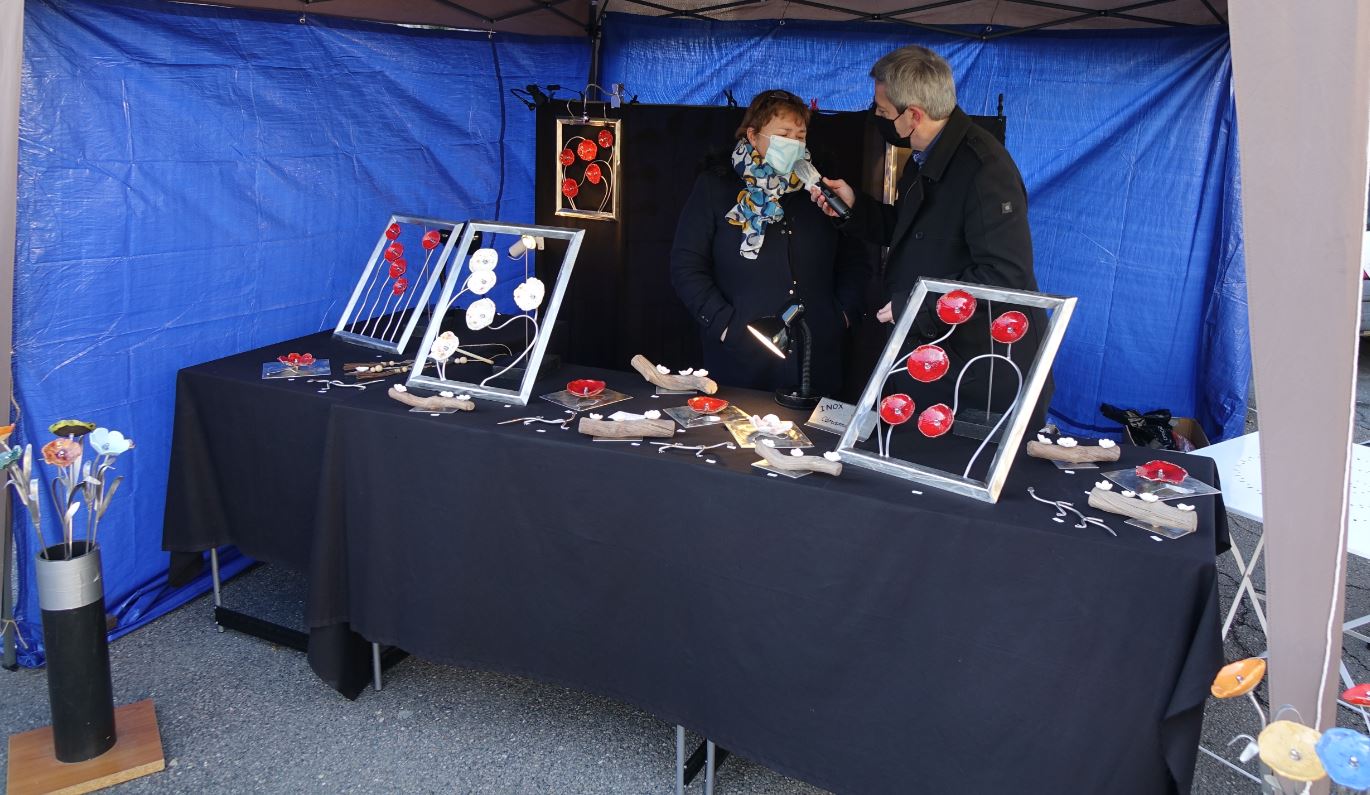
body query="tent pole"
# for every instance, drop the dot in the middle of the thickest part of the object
(11, 65)
(1302, 79)
(595, 30)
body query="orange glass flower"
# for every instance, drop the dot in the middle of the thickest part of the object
(1238, 678)
(5, 431)
(62, 452)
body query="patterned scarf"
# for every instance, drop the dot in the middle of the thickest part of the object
(758, 203)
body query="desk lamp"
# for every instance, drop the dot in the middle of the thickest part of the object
(779, 333)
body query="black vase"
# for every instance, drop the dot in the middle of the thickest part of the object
(71, 594)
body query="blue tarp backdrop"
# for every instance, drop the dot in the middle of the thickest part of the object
(198, 181)
(1127, 143)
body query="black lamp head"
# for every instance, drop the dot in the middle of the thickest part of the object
(775, 331)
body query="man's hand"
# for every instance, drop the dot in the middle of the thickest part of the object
(838, 186)
(886, 313)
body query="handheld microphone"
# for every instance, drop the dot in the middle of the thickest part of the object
(811, 178)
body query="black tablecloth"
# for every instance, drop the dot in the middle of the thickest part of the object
(846, 631)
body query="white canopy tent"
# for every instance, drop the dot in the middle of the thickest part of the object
(1304, 195)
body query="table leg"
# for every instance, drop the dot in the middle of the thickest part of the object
(679, 760)
(214, 575)
(376, 665)
(709, 768)
(1244, 587)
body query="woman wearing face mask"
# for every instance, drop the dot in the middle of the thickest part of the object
(749, 241)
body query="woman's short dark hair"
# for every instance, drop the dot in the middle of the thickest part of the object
(769, 104)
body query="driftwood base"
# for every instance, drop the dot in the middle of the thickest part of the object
(1159, 514)
(674, 383)
(434, 403)
(781, 459)
(627, 429)
(1092, 454)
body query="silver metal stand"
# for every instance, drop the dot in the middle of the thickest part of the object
(376, 666)
(8, 629)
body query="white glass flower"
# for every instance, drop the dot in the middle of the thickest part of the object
(652, 415)
(687, 371)
(480, 282)
(1103, 485)
(107, 442)
(1107, 443)
(480, 314)
(771, 425)
(485, 259)
(663, 369)
(443, 347)
(1043, 439)
(833, 455)
(1148, 497)
(701, 373)
(1184, 507)
(1066, 441)
(529, 295)
(796, 452)
(1127, 493)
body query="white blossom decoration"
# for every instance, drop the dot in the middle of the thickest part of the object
(485, 259)
(480, 314)
(529, 295)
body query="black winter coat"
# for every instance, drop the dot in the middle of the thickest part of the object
(804, 256)
(962, 217)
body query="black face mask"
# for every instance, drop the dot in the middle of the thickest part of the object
(891, 135)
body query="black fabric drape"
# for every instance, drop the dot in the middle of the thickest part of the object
(849, 631)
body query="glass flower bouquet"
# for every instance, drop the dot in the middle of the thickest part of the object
(83, 457)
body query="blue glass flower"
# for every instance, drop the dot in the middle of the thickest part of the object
(1346, 756)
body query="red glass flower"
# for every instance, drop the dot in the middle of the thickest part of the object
(593, 173)
(935, 420)
(1358, 695)
(397, 268)
(569, 188)
(394, 252)
(567, 157)
(401, 284)
(587, 150)
(956, 307)
(606, 138)
(62, 452)
(585, 387)
(392, 231)
(1162, 472)
(707, 405)
(296, 359)
(897, 409)
(432, 239)
(1009, 327)
(927, 363)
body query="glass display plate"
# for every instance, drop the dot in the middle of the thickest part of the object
(282, 370)
(576, 403)
(746, 435)
(1159, 530)
(1187, 488)
(687, 417)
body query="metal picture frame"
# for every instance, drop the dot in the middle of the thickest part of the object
(1061, 309)
(577, 171)
(546, 321)
(348, 323)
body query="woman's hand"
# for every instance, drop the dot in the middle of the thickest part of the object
(838, 186)
(885, 314)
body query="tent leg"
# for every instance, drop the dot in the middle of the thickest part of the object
(376, 666)
(8, 629)
(679, 760)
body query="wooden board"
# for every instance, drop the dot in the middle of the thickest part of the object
(34, 770)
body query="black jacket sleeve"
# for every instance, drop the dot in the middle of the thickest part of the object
(692, 265)
(997, 232)
(855, 264)
(872, 221)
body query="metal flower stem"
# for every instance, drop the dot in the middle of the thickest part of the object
(533, 318)
(377, 277)
(385, 309)
(409, 295)
(370, 313)
(957, 401)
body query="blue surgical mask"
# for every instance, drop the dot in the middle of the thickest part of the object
(783, 153)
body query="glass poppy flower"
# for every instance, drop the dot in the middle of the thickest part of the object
(593, 173)
(605, 138)
(567, 157)
(897, 409)
(569, 188)
(935, 420)
(1009, 327)
(587, 150)
(956, 307)
(927, 363)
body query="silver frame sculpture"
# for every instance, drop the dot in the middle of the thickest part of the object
(380, 343)
(451, 286)
(1061, 308)
(614, 162)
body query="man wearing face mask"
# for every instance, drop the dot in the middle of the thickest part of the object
(961, 211)
(749, 241)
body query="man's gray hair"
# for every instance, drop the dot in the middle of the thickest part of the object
(915, 75)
